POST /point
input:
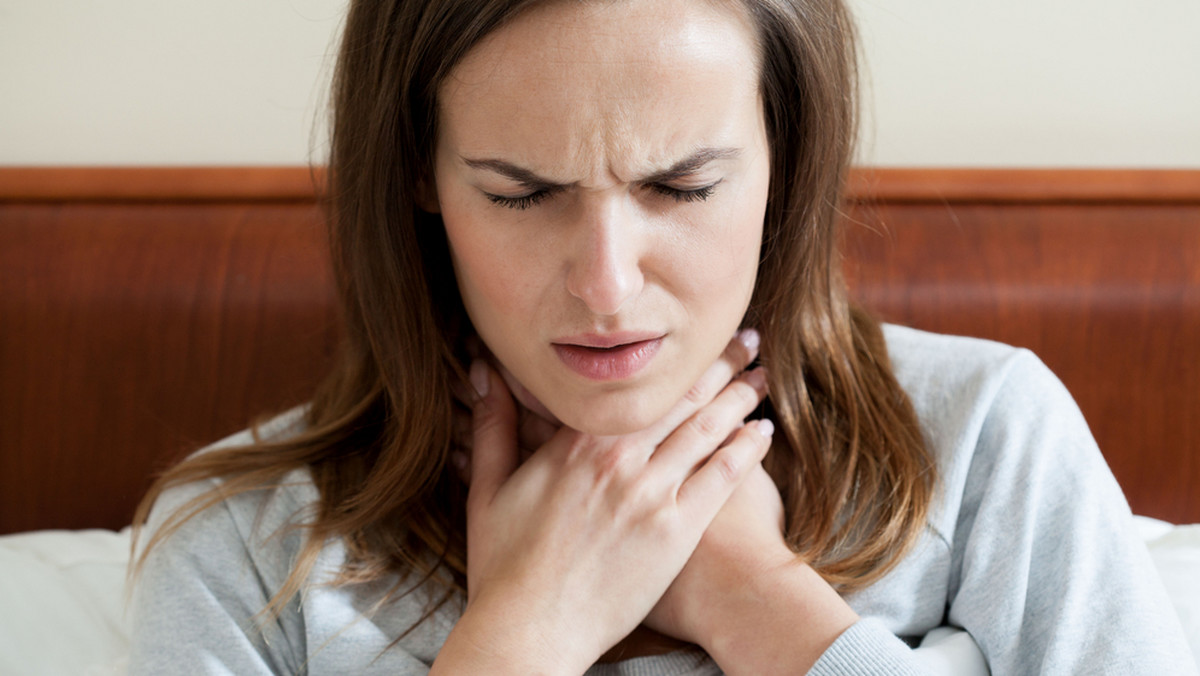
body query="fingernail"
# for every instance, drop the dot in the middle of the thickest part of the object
(765, 427)
(750, 339)
(479, 377)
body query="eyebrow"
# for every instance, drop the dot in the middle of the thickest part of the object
(680, 169)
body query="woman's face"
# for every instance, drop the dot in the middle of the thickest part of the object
(602, 173)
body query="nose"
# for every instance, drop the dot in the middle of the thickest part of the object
(605, 271)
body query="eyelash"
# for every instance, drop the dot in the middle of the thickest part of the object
(521, 203)
(526, 201)
(696, 195)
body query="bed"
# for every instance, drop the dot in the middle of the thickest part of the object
(147, 311)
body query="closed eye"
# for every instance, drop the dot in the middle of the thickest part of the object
(521, 202)
(694, 195)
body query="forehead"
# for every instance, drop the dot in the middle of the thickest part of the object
(576, 75)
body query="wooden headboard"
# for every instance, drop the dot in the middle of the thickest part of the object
(144, 312)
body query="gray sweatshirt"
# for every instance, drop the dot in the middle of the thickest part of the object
(1030, 548)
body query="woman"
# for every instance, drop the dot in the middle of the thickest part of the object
(548, 220)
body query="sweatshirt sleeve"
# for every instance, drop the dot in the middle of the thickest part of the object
(867, 649)
(1049, 575)
(1047, 572)
(196, 603)
(198, 606)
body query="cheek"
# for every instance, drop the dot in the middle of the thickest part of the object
(496, 281)
(478, 274)
(743, 237)
(733, 279)
(721, 265)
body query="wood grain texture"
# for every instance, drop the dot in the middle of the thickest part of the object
(144, 312)
(1107, 295)
(1025, 186)
(159, 184)
(132, 335)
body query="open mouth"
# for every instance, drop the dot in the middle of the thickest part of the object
(617, 362)
(602, 350)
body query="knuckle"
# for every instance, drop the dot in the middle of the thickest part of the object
(705, 424)
(697, 393)
(643, 497)
(579, 453)
(486, 421)
(612, 464)
(663, 522)
(728, 465)
(626, 449)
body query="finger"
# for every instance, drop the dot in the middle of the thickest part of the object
(706, 491)
(711, 427)
(535, 431)
(494, 443)
(737, 356)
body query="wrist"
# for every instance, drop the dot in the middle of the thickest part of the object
(779, 620)
(735, 582)
(488, 640)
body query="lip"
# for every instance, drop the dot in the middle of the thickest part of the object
(614, 356)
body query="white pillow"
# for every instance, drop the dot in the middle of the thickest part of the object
(62, 602)
(1176, 554)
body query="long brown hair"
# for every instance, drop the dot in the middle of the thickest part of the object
(855, 475)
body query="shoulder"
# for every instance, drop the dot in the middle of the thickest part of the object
(217, 524)
(1045, 569)
(959, 385)
(933, 367)
(221, 559)
(988, 411)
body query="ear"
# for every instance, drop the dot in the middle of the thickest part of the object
(426, 194)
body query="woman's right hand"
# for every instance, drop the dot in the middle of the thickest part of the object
(568, 552)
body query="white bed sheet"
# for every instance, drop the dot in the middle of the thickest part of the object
(62, 602)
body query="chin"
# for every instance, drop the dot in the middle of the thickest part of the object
(600, 418)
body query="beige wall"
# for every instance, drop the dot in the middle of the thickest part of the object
(1032, 82)
(162, 81)
(949, 82)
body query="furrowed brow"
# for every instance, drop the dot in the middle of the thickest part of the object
(685, 167)
(511, 171)
(689, 165)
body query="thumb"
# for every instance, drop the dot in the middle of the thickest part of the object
(494, 455)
